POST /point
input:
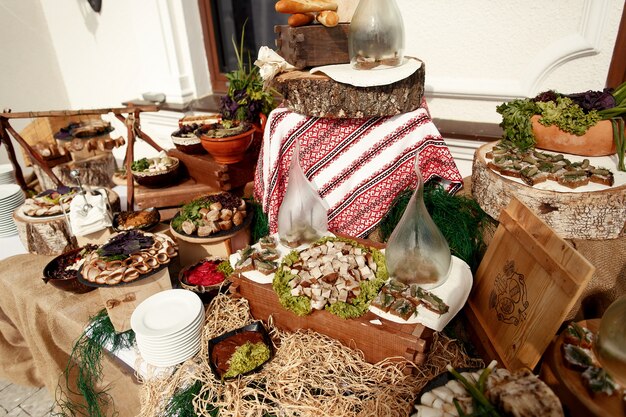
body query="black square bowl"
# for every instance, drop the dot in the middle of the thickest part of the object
(257, 329)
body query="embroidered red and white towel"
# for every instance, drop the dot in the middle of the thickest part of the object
(357, 165)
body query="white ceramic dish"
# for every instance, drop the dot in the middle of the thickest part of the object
(166, 313)
(453, 292)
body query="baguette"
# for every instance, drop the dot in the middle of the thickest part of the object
(300, 19)
(304, 6)
(328, 18)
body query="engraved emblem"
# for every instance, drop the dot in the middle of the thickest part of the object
(508, 296)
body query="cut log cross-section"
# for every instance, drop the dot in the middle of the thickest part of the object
(318, 95)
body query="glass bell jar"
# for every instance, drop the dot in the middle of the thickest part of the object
(376, 35)
(417, 252)
(303, 214)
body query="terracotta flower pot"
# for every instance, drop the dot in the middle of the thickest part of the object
(231, 149)
(597, 141)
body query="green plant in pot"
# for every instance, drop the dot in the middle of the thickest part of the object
(243, 111)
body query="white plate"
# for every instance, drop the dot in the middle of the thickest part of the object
(166, 313)
(175, 344)
(171, 362)
(6, 169)
(9, 191)
(453, 292)
(198, 321)
(166, 356)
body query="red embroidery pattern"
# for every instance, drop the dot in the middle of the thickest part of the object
(357, 203)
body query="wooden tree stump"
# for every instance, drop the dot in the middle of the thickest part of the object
(572, 214)
(50, 235)
(318, 95)
(96, 171)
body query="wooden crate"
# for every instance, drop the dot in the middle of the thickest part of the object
(376, 341)
(527, 282)
(313, 45)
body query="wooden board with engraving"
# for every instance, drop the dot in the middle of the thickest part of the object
(527, 282)
(376, 341)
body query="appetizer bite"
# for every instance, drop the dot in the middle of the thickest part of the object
(48, 202)
(338, 274)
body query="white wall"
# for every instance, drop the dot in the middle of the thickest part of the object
(480, 53)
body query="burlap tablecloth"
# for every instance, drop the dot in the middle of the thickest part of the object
(39, 325)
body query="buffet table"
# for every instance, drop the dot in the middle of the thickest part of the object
(39, 324)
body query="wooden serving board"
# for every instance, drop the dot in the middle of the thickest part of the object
(591, 212)
(376, 341)
(568, 383)
(527, 282)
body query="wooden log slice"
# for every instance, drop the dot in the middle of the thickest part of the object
(96, 171)
(50, 235)
(44, 236)
(318, 95)
(590, 212)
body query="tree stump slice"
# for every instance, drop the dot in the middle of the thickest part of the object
(318, 95)
(51, 235)
(575, 214)
(44, 236)
(96, 171)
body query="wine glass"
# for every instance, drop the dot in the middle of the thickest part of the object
(610, 346)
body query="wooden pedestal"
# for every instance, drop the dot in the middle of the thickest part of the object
(376, 341)
(192, 250)
(120, 301)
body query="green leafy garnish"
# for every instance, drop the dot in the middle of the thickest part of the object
(140, 165)
(516, 122)
(567, 116)
(246, 358)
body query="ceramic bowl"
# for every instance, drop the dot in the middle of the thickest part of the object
(68, 283)
(205, 292)
(159, 179)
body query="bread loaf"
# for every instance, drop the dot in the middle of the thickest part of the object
(300, 19)
(328, 18)
(304, 6)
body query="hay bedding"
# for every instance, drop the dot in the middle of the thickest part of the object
(310, 375)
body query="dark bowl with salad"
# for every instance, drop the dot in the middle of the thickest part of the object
(157, 172)
(207, 277)
(62, 271)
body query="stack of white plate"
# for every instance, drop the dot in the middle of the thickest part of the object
(168, 327)
(11, 197)
(6, 174)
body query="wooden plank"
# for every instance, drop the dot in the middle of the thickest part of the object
(527, 282)
(172, 196)
(53, 113)
(204, 169)
(377, 342)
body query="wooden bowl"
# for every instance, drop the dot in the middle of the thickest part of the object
(190, 146)
(597, 141)
(205, 292)
(69, 284)
(158, 179)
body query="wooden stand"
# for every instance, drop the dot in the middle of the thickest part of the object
(120, 301)
(376, 341)
(192, 250)
(568, 383)
(336, 100)
(573, 215)
(44, 236)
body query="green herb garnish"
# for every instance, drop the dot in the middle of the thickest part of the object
(246, 358)
(140, 165)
